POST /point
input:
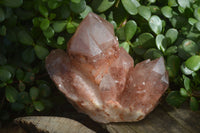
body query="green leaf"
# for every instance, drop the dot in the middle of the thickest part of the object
(186, 83)
(172, 3)
(121, 34)
(152, 1)
(102, 15)
(12, 3)
(78, 7)
(11, 94)
(102, 5)
(193, 35)
(114, 24)
(38, 106)
(167, 11)
(173, 63)
(163, 25)
(25, 38)
(71, 27)
(34, 93)
(60, 40)
(41, 51)
(52, 16)
(146, 40)
(184, 93)
(9, 68)
(53, 4)
(155, 9)
(23, 97)
(110, 16)
(131, 6)
(44, 25)
(145, 12)
(172, 34)
(152, 54)
(87, 10)
(22, 86)
(192, 21)
(184, 3)
(193, 63)
(17, 106)
(28, 55)
(76, 1)
(2, 15)
(171, 50)
(194, 104)
(190, 47)
(43, 10)
(182, 53)
(155, 24)
(197, 25)
(29, 77)
(36, 21)
(186, 70)
(125, 45)
(175, 99)
(59, 26)
(49, 33)
(5, 75)
(197, 13)
(139, 51)
(181, 9)
(195, 76)
(161, 42)
(130, 29)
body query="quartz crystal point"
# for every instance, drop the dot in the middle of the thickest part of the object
(100, 79)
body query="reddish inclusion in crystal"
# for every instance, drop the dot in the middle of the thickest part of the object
(99, 78)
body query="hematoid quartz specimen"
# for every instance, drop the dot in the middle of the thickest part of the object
(100, 79)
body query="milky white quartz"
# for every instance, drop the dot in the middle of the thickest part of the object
(100, 79)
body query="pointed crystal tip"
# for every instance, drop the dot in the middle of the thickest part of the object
(93, 36)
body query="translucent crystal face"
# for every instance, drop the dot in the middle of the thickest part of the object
(99, 78)
(93, 37)
(145, 85)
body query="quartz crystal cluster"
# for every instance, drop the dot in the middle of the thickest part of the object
(100, 79)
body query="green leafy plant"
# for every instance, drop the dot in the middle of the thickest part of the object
(29, 30)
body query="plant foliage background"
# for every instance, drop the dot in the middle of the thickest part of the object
(29, 29)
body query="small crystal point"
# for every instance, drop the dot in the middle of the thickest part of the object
(100, 79)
